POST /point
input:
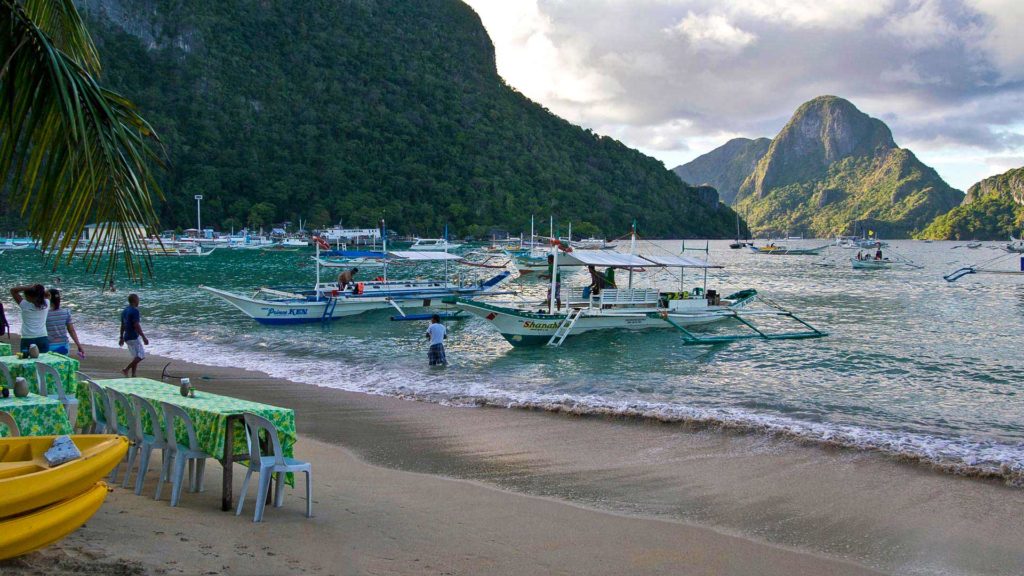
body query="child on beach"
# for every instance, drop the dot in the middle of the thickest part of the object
(436, 333)
(131, 333)
(34, 308)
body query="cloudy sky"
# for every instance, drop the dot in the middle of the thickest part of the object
(676, 78)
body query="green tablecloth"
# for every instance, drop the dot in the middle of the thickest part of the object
(5, 349)
(209, 413)
(36, 415)
(66, 367)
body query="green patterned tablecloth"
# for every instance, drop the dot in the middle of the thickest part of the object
(36, 415)
(209, 413)
(5, 349)
(66, 367)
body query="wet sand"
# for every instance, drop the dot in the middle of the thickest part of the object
(409, 487)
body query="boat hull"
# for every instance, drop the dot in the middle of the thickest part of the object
(523, 328)
(27, 483)
(330, 306)
(870, 264)
(38, 529)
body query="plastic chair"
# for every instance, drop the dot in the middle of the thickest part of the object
(180, 453)
(114, 426)
(70, 402)
(147, 442)
(12, 427)
(5, 376)
(99, 412)
(265, 465)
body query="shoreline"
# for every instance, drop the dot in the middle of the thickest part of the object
(851, 506)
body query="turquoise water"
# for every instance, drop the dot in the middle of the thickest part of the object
(913, 365)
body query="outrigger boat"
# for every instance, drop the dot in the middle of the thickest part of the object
(325, 301)
(433, 245)
(780, 250)
(1014, 246)
(630, 308)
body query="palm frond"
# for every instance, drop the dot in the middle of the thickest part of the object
(71, 150)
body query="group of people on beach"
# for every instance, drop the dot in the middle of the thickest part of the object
(46, 325)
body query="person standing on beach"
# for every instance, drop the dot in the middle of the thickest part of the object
(59, 325)
(131, 333)
(34, 308)
(436, 334)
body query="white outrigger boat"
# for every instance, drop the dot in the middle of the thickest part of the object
(433, 245)
(325, 301)
(630, 308)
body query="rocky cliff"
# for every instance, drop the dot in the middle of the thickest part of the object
(992, 210)
(726, 167)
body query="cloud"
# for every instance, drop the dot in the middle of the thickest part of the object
(711, 32)
(670, 76)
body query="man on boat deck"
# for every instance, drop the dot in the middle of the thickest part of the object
(346, 277)
(436, 333)
(878, 251)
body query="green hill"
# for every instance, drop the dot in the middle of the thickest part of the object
(832, 167)
(726, 167)
(992, 210)
(328, 110)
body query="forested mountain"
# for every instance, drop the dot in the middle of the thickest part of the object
(833, 167)
(725, 167)
(992, 210)
(347, 109)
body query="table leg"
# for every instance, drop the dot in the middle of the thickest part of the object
(228, 462)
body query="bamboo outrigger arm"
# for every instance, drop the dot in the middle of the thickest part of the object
(691, 339)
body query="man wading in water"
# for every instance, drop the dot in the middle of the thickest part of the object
(436, 333)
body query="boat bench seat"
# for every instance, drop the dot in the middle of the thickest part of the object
(629, 296)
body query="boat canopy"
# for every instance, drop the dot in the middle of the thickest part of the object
(424, 255)
(619, 260)
(400, 254)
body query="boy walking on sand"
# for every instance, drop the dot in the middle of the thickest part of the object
(131, 333)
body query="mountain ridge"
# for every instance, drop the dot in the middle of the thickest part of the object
(328, 111)
(993, 209)
(726, 167)
(832, 167)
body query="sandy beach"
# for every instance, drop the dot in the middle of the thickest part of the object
(404, 487)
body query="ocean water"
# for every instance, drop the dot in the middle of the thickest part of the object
(913, 365)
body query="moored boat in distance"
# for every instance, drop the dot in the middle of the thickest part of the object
(433, 245)
(782, 250)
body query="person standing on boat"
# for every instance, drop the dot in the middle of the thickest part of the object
(597, 281)
(131, 333)
(59, 325)
(346, 278)
(878, 251)
(34, 309)
(436, 334)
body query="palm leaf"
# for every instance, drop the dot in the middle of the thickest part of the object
(70, 150)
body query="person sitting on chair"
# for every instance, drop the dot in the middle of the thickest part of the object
(346, 277)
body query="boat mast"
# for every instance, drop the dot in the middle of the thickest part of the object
(384, 244)
(554, 267)
(532, 247)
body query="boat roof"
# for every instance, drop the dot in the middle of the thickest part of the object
(620, 260)
(423, 255)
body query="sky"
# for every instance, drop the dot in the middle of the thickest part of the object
(677, 78)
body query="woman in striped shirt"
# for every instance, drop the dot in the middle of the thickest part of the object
(59, 325)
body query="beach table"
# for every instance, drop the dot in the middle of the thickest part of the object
(217, 419)
(5, 349)
(36, 415)
(66, 367)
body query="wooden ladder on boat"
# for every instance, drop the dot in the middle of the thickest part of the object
(563, 330)
(332, 303)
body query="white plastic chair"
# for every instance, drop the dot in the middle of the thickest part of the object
(181, 454)
(97, 407)
(147, 442)
(12, 427)
(114, 426)
(70, 402)
(265, 465)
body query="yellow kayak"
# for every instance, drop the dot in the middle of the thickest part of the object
(32, 531)
(27, 482)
